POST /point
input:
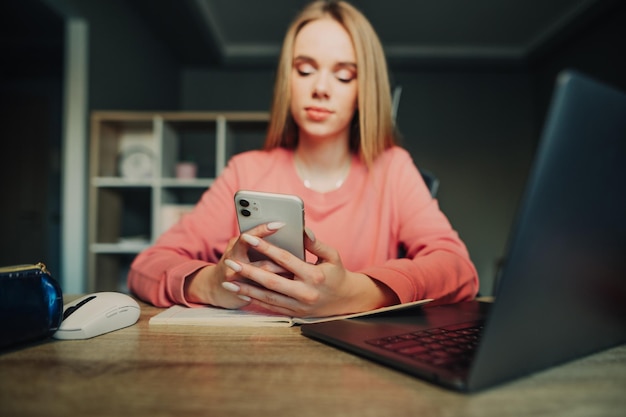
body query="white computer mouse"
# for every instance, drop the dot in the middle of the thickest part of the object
(96, 314)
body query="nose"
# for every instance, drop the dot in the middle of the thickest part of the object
(321, 86)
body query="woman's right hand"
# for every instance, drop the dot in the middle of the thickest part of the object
(205, 285)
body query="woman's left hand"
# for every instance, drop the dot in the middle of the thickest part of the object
(316, 290)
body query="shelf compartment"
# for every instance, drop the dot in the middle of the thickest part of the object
(112, 272)
(115, 136)
(188, 141)
(123, 213)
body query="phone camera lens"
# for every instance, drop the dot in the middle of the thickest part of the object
(245, 213)
(244, 203)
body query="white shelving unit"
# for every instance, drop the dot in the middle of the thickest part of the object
(129, 208)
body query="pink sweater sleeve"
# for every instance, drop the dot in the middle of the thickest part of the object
(437, 264)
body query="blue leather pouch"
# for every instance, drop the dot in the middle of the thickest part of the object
(31, 304)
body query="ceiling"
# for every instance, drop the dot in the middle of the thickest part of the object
(236, 33)
(248, 33)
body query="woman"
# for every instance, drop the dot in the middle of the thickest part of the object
(331, 141)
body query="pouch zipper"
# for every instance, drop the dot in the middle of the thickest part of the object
(40, 266)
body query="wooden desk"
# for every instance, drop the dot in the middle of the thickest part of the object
(178, 371)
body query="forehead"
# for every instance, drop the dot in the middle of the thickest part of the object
(324, 39)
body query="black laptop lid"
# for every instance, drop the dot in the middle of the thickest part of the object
(563, 288)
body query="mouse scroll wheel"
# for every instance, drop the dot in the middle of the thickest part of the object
(68, 311)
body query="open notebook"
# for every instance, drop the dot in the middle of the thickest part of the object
(213, 316)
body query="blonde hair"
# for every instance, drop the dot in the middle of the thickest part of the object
(373, 129)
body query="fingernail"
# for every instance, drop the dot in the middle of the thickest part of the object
(251, 240)
(229, 286)
(233, 265)
(309, 234)
(275, 225)
(245, 298)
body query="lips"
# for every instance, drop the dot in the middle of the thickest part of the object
(317, 114)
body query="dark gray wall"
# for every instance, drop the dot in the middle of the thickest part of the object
(226, 89)
(597, 49)
(129, 68)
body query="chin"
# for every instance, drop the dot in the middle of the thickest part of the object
(321, 132)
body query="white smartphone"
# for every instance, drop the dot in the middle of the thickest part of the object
(255, 208)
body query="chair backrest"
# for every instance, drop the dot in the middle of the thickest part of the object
(432, 182)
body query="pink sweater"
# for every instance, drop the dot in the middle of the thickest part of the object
(365, 220)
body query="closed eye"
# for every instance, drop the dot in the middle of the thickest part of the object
(345, 75)
(304, 68)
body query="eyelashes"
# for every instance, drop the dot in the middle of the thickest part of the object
(346, 79)
(304, 73)
(343, 74)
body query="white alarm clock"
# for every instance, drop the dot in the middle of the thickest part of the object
(137, 162)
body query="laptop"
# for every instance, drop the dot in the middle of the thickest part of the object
(562, 290)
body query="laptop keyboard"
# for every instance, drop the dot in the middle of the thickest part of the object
(449, 347)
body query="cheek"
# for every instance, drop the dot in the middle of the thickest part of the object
(293, 103)
(295, 106)
(351, 99)
(296, 92)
